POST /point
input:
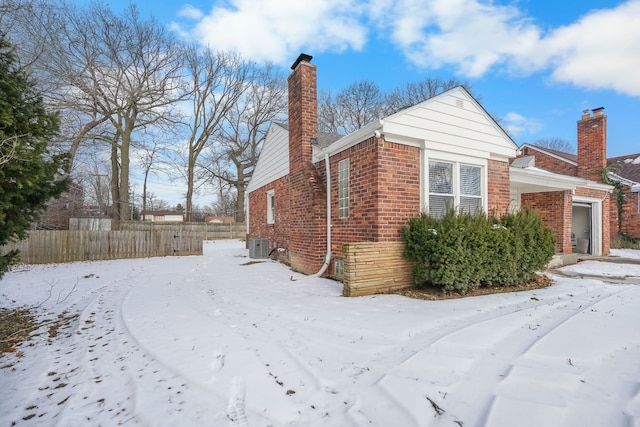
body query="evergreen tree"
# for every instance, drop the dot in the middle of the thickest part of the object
(30, 175)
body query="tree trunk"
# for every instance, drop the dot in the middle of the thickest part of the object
(124, 178)
(190, 184)
(240, 191)
(115, 187)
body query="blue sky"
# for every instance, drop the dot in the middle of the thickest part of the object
(536, 64)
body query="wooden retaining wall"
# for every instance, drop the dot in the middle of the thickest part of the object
(375, 268)
(53, 246)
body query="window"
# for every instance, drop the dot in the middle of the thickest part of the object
(343, 188)
(454, 185)
(271, 207)
(470, 196)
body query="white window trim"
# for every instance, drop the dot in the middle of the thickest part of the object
(457, 160)
(596, 222)
(271, 209)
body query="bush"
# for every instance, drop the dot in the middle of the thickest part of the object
(459, 251)
(623, 240)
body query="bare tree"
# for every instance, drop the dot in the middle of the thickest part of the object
(329, 119)
(115, 74)
(154, 203)
(95, 177)
(218, 81)
(149, 155)
(557, 144)
(362, 102)
(353, 107)
(244, 131)
(413, 93)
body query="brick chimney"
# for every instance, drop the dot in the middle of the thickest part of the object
(303, 112)
(592, 144)
(306, 189)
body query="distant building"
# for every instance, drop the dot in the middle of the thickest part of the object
(162, 216)
(219, 219)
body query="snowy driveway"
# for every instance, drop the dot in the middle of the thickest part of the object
(208, 341)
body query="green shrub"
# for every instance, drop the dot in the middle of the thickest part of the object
(459, 251)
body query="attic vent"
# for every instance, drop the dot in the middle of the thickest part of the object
(459, 103)
(258, 248)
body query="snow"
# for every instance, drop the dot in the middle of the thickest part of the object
(626, 253)
(215, 340)
(634, 161)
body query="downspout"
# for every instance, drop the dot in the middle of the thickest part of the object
(327, 257)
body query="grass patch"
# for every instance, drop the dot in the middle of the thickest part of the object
(15, 326)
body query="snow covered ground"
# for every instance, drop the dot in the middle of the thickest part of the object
(218, 341)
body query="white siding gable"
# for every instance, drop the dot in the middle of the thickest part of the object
(452, 122)
(273, 162)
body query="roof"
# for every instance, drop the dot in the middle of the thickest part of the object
(325, 139)
(627, 167)
(161, 213)
(569, 157)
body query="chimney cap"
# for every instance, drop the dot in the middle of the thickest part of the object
(597, 111)
(302, 57)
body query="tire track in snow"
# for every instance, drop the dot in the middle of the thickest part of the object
(453, 371)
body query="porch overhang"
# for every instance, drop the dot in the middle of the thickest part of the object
(536, 180)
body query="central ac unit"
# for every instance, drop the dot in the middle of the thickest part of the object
(258, 248)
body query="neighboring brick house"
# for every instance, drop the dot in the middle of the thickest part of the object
(622, 169)
(574, 202)
(446, 152)
(626, 171)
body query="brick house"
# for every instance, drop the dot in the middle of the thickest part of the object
(622, 169)
(443, 153)
(579, 207)
(626, 171)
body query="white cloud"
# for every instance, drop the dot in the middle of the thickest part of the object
(191, 12)
(464, 33)
(517, 125)
(473, 36)
(276, 30)
(600, 50)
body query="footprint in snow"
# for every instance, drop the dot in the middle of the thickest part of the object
(235, 408)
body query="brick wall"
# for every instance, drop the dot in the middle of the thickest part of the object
(630, 215)
(278, 232)
(498, 187)
(556, 210)
(384, 192)
(551, 163)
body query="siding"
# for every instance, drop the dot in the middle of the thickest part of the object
(452, 122)
(273, 162)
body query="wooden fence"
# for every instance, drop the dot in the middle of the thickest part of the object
(53, 246)
(208, 231)
(375, 268)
